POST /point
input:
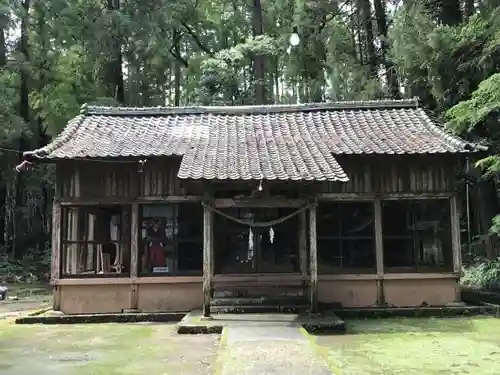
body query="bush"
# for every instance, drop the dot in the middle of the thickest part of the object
(484, 275)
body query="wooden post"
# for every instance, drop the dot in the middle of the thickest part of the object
(456, 247)
(55, 265)
(212, 244)
(303, 245)
(313, 259)
(207, 260)
(134, 253)
(379, 251)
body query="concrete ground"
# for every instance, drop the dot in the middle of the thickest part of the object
(268, 350)
(15, 308)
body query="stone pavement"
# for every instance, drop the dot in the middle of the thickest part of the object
(14, 309)
(279, 349)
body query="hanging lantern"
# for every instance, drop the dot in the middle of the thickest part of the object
(294, 37)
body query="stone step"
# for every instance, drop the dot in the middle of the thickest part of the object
(257, 293)
(258, 309)
(258, 301)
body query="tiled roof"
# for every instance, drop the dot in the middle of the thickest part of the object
(284, 142)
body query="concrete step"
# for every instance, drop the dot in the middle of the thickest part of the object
(257, 293)
(258, 301)
(258, 309)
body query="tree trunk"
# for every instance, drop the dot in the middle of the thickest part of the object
(258, 68)
(277, 98)
(469, 8)
(114, 72)
(177, 68)
(3, 47)
(365, 13)
(390, 72)
(487, 205)
(450, 12)
(24, 113)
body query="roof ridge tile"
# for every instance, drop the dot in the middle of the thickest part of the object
(250, 109)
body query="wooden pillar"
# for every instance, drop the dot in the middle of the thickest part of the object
(134, 253)
(212, 244)
(303, 245)
(313, 261)
(55, 265)
(207, 260)
(456, 247)
(379, 251)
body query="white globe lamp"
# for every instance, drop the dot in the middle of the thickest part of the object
(294, 38)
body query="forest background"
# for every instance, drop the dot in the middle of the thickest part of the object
(56, 55)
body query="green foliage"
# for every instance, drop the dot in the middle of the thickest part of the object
(484, 275)
(205, 52)
(348, 78)
(483, 104)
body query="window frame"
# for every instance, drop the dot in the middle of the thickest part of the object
(197, 239)
(329, 270)
(416, 267)
(125, 240)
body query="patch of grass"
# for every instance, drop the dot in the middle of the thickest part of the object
(415, 346)
(111, 349)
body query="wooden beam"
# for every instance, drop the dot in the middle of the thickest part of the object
(170, 199)
(455, 240)
(379, 251)
(455, 232)
(313, 259)
(303, 244)
(134, 296)
(55, 266)
(259, 202)
(56, 295)
(207, 260)
(134, 240)
(119, 201)
(212, 244)
(77, 192)
(385, 196)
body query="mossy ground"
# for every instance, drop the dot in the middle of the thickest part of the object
(107, 349)
(413, 346)
(410, 346)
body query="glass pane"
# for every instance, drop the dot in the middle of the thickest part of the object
(190, 237)
(347, 240)
(433, 233)
(328, 219)
(358, 254)
(356, 219)
(417, 233)
(102, 233)
(329, 255)
(399, 253)
(278, 245)
(234, 243)
(190, 256)
(397, 218)
(171, 238)
(158, 232)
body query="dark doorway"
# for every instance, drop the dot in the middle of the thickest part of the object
(260, 250)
